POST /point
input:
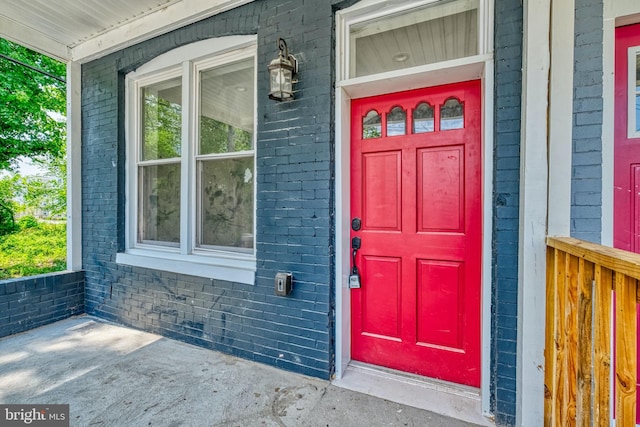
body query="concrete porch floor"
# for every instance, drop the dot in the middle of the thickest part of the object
(116, 376)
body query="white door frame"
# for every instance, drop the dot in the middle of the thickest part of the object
(476, 67)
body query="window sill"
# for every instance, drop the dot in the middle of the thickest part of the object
(233, 268)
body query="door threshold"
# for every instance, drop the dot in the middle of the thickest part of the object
(441, 397)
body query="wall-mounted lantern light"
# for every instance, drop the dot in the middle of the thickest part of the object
(282, 70)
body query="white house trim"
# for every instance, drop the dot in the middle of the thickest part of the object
(561, 116)
(488, 83)
(74, 167)
(533, 215)
(475, 67)
(161, 21)
(151, 24)
(33, 39)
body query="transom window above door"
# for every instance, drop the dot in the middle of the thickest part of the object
(435, 32)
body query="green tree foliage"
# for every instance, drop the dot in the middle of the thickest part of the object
(36, 249)
(7, 205)
(32, 106)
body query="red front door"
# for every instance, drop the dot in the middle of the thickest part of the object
(416, 186)
(626, 178)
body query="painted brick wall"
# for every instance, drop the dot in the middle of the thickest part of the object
(294, 202)
(28, 303)
(586, 172)
(508, 78)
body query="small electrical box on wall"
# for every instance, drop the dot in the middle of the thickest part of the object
(283, 284)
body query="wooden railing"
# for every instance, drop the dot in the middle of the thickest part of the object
(582, 280)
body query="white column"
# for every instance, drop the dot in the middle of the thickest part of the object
(74, 167)
(533, 215)
(561, 116)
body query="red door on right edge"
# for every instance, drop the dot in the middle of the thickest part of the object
(626, 180)
(415, 186)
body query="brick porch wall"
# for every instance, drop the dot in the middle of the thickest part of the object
(28, 303)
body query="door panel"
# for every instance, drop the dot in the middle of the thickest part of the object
(626, 221)
(440, 284)
(382, 190)
(416, 185)
(441, 189)
(381, 314)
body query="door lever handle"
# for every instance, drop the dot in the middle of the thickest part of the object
(355, 243)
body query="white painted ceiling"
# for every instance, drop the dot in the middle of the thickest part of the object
(83, 30)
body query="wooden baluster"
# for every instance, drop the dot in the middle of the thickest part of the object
(571, 339)
(585, 343)
(601, 347)
(561, 361)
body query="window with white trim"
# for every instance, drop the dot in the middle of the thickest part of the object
(191, 161)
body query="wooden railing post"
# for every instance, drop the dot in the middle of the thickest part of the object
(551, 333)
(626, 341)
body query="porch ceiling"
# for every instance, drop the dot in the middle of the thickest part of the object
(80, 31)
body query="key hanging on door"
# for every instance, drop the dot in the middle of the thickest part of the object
(354, 277)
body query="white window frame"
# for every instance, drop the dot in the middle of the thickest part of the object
(186, 61)
(632, 91)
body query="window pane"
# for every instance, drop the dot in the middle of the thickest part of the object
(162, 120)
(371, 125)
(226, 108)
(396, 122)
(441, 31)
(226, 202)
(423, 118)
(159, 204)
(451, 115)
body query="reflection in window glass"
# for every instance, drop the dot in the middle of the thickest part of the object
(371, 125)
(162, 120)
(159, 204)
(451, 115)
(423, 118)
(637, 115)
(396, 122)
(225, 167)
(226, 108)
(226, 195)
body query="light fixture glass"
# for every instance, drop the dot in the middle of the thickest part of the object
(281, 73)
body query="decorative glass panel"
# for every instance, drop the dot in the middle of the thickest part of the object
(226, 197)
(159, 204)
(423, 120)
(451, 115)
(226, 108)
(439, 31)
(396, 122)
(371, 125)
(162, 120)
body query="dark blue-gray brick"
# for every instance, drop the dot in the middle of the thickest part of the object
(293, 166)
